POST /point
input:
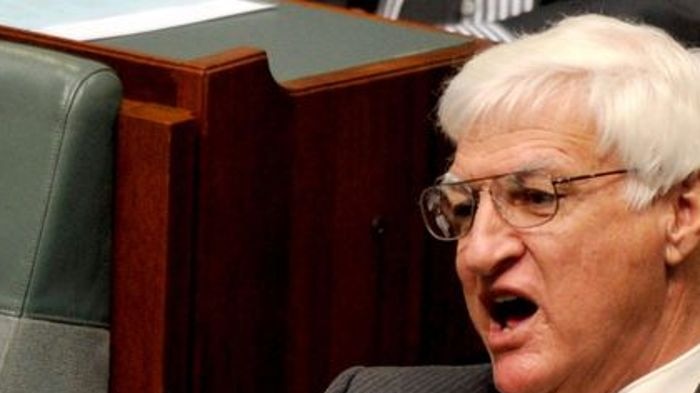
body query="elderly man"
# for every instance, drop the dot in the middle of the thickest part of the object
(574, 200)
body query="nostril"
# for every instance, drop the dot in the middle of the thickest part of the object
(487, 265)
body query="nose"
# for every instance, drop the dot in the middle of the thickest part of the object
(491, 244)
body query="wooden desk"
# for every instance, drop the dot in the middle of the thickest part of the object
(267, 234)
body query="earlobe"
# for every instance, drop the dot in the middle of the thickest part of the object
(673, 255)
(683, 230)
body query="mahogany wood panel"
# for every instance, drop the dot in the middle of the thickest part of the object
(311, 255)
(152, 249)
(243, 231)
(267, 236)
(359, 269)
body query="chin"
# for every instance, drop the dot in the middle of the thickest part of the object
(515, 373)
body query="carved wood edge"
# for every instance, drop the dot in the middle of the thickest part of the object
(152, 248)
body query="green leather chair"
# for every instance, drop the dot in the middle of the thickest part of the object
(57, 114)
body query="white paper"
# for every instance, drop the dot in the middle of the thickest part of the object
(91, 20)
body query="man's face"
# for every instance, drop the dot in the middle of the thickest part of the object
(568, 306)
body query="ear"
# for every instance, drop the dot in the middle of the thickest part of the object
(683, 230)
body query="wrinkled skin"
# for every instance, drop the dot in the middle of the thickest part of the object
(610, 307)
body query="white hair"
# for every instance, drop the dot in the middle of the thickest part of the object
(640, 87)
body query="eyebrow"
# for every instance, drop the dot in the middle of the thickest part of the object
(543, 166)
(450, 178)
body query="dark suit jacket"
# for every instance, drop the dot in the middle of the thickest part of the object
(681, 18)
(424, 379)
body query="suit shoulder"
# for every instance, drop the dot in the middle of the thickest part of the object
(422, 379)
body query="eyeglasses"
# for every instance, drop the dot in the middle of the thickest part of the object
(522, 199)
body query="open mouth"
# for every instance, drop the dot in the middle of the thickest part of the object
(509, 310)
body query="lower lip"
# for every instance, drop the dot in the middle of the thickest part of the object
(515, 336)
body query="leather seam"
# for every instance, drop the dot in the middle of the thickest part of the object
(60, 130)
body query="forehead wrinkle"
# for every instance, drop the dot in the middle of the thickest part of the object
(553, 160)
(563, 147)
(573, 132)
(552, 137)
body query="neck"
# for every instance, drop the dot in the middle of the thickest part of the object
(676, 331)
(679, 328)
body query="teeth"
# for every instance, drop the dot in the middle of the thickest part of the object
(503, 299)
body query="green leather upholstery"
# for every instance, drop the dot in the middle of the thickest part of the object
(56, 172)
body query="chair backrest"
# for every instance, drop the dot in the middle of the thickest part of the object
(57, 114)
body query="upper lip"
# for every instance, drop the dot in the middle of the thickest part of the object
(490, 295)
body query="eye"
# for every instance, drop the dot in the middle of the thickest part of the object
(459, 205)
(463, 210)
(527, 190)
(525, 199)
(531, 197)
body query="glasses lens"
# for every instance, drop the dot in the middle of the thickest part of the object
(525, 199)
(447, 210)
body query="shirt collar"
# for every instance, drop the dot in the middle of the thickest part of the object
(681, 375)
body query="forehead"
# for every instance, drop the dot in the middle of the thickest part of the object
(552, 139)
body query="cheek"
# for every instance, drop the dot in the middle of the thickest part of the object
(603, 243)
(611, 270)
